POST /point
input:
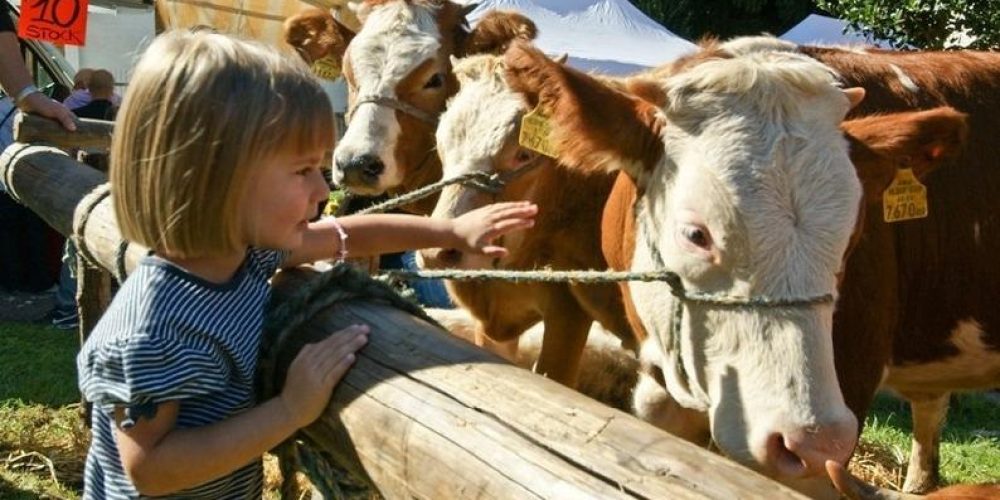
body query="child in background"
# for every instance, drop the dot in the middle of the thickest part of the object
(216, 168)
(82, 94)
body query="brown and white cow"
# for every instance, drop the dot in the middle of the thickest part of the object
(918, 315)
(398, 72)
(741, 184)
(921, 315)
(479, 133)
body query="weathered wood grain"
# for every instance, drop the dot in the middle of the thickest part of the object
(89, 133)
(423, 414)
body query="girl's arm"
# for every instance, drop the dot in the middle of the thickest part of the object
(160, 459)
(389, 233)
(15, 78)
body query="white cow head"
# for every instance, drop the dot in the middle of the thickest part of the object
(747, 193)
(478, 133)
(755, 198)
(399, 76)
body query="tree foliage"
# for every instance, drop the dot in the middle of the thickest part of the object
(694, 19)
(925, 24)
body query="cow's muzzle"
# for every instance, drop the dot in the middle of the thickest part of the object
(361, 171)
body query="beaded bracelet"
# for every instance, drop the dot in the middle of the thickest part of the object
(342, 252)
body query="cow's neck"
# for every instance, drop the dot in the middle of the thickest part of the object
(424, 173)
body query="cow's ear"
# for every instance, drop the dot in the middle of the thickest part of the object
(315, 34)
(648, 90)
(496, 30)
(532, 74)
(593, 127)
(920, 140)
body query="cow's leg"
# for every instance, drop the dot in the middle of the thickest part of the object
(566, 329)
(463, 325)
(929, 410)
(500, 332)
(604, 303)
(506, 349)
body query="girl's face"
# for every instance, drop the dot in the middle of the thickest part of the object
(284, 194)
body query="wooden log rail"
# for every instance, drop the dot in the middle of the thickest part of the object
(423, 414)
(36, 129)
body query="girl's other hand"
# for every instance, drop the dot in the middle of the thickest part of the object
(476, 230)
(316, 370)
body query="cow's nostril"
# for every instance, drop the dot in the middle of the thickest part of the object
(361, 170)
(373, 169)
(786, 462)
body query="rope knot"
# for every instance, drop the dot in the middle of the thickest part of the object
(676, 285)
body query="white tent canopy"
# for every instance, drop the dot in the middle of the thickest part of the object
(609, 36)
(823, 30)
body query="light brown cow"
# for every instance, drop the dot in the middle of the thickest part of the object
(479, 133)
(398, 72)
(740, 187)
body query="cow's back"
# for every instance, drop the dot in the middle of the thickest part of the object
(909, 286)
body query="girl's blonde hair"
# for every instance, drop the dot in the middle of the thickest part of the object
(201, 110)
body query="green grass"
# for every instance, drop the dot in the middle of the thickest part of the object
(40, 424)
(41, 451)
(970, 443)
(42, 433)
(37, 364)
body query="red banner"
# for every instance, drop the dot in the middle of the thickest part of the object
(62, 22)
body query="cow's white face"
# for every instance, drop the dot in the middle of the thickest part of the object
(477, 133)
(397, 56)
(755, 197)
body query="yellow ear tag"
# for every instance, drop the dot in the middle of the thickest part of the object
(326, 68)
(905, 198)
(535, 132)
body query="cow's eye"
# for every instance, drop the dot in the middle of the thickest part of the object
(697, 235)
(435, 81)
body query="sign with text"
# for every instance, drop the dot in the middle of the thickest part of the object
(62, 22)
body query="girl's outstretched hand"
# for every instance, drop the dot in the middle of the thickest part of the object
(316, 370)
(476, 230)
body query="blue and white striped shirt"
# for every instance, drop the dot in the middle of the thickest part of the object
(169, 335)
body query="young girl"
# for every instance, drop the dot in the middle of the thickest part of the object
(216, 168)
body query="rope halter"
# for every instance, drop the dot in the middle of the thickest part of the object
(391, 102)
(685, 297)
(491, 183)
